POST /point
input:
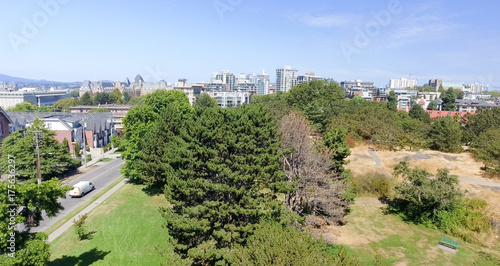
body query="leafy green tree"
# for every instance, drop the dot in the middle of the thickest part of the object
(274, 244)
(204, 101)
(75, 94)
(446, 135)
(487, 148)
(101, 98)
(126, 97)
(65, 104)
(141, 119)
(116, 97)
(449, 96)
(316, 99)
(77, 148)
(276, 104)
(420, 197)
(417, 112)
(432, 106)
(31, 199)
(335, 138)
(45, 109)
(392, 101)
(65, 143)
(54, 157)
(24, 107)
(86, 99)
(135, 101)
(374, 122)
(482, 121)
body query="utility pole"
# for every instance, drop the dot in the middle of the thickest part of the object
(84, 144)
(37, 137)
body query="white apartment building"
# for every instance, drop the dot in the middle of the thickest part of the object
(225, 77)
(402, 83)
(308, 77)
(230, 99)
(286, 78)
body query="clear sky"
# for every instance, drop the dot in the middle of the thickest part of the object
(70, 40)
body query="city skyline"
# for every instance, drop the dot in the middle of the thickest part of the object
(376, 41)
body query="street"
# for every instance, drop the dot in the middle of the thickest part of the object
(102, 177)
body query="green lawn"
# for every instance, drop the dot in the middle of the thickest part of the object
(105, 160)
(126, 228)
(371, 234)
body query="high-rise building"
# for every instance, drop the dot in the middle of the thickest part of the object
(286, 78)
(436, 83)
(402, 83)
(263, 82)
(225, 77)
(475, 88)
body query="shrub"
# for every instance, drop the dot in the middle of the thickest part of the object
(466, 221)
(80, 226)
(274, 244)
(374, 184)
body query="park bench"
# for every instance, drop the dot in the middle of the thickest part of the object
(449, 243)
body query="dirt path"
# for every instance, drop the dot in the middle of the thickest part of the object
(375, 157)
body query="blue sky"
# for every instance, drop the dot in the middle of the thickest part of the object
(457, 41)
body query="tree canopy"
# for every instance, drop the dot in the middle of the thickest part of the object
(54, 156)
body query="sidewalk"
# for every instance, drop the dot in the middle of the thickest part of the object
(89, 208)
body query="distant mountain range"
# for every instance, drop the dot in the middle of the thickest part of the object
(7, 78)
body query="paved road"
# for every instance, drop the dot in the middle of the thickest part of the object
(102, 177)
(375, 157)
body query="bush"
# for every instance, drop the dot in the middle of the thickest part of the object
(273, 244)
(466, 221)
(374, 184)
(80, 226)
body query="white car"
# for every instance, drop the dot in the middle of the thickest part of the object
(81, 188)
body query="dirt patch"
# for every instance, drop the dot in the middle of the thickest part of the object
(362, 229)
(462, 165)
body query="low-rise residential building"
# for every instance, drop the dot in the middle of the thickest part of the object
(118, 111)
(473, 105)
(353, 85)
(308, 77)
(5, 122)
(98, 127)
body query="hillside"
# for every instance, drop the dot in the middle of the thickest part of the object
(363, 160)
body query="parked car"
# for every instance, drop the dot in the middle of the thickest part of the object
(81, 188)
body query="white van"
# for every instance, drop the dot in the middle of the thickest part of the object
(81, 188)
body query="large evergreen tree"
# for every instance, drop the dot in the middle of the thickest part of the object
(446, 135)
(217, 166)
(86, 99)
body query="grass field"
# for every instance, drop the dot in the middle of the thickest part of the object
(125, 230)
(371, 234)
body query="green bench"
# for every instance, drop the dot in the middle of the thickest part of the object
(449, 243)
